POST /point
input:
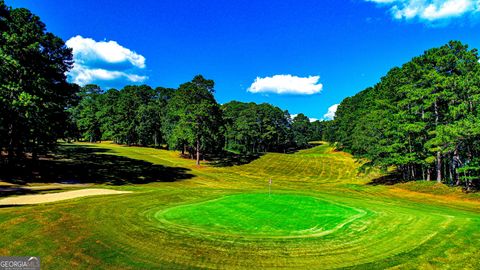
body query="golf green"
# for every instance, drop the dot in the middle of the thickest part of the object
(262, 215)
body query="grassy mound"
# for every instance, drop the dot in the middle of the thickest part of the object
(262, 214)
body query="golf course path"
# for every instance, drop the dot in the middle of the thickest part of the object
(60, 196)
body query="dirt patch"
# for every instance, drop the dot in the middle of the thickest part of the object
(60, 196)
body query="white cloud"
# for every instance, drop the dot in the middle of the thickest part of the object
(448, 9)
(331, 112)
(286, 84)
(87, 50)
(100, 61)
(429, 10)
(82, 75)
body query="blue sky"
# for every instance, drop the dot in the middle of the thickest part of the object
(303, 56)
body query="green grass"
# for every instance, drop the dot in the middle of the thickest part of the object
(261, 214)
(321, 215)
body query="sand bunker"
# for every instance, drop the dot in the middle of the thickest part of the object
(60, 196)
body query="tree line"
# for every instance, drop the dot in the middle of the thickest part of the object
(422, 118)
(188, 119)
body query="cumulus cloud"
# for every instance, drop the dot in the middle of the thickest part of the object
(331, 112)
(104, 61)
(82, 75)
(287, 84)
(429, 10)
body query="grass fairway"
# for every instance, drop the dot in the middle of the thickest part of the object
(321, 214)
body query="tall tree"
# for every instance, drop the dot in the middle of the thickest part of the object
(87, 113)
(301, 130)
(33, 88)
(194, 118)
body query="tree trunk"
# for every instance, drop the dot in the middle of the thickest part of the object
(429, 174)
(439, 155)
(457, 177)
(439, 167)
(450, 170)
(198, 151)
(10, 143)
(34, 151)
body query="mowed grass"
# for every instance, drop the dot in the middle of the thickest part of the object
(322, 214)
(261, 215)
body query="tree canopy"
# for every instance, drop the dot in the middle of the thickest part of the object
(422, 118)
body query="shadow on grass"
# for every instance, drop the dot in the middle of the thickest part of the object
(11, 205)
(7, 191)
(83, 164)
(231, 159)
(387, 180)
